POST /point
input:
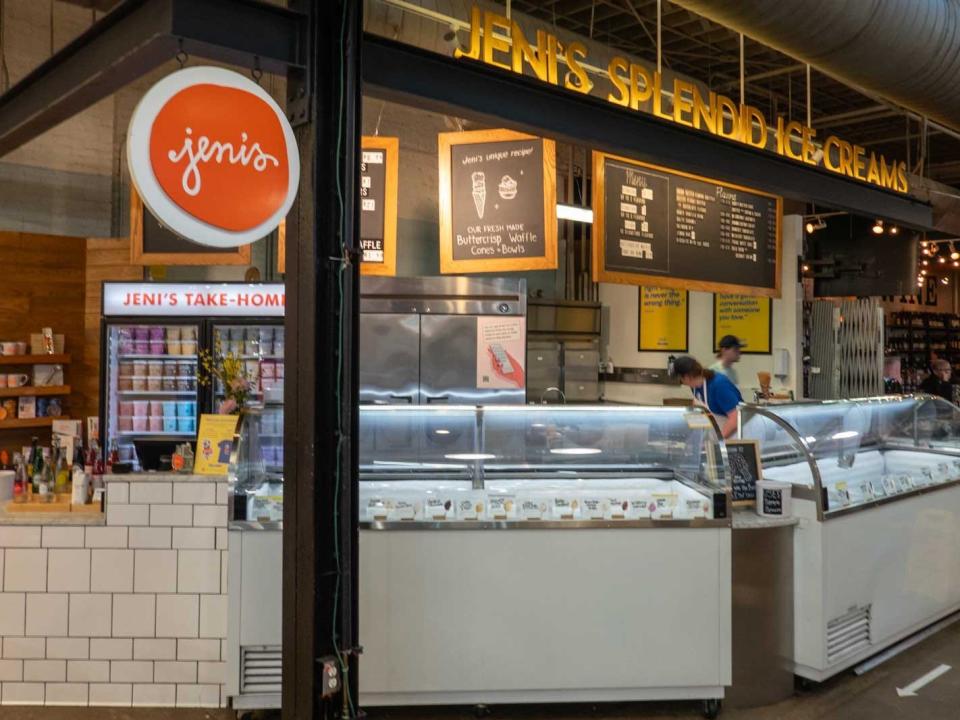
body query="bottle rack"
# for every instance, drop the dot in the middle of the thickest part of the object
(912, 336)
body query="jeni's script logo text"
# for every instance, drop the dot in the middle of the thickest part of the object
(219, 153)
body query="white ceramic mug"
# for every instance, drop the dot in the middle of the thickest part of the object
(16, 380)
(3, 381)
(8, 348)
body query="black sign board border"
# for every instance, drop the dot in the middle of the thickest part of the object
(601, 274)
(755, 445)
(140, 256)
(391, 147)
(478, 137)
(747, 351)
(686, 337)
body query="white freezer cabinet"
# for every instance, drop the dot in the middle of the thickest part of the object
(500, 544)
(876, 485)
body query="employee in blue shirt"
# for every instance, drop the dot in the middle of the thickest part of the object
(713, 390)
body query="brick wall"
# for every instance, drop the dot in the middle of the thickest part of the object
(131, 613)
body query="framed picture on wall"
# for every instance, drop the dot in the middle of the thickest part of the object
(748, 317)
(153, 244)
(663, 320)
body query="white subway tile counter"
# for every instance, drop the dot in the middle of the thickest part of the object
(122, 609)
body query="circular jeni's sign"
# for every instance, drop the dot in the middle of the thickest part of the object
(213, 157)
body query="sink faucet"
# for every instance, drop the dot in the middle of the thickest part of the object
(543, 395)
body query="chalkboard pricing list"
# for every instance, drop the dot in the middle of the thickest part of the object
(372, 176)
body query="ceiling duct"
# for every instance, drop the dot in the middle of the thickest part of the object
(907, 51)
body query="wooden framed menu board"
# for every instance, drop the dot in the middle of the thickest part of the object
(153, 244)
(655, 226)
(379, 166)
(498, 198)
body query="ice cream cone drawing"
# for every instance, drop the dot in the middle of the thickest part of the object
(479, 192)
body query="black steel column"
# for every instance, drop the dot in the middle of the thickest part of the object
(320, 517)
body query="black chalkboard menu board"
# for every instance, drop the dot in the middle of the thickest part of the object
(743, 457)
(378, 204)
(497, 202)
(663, 228)
(153, 244)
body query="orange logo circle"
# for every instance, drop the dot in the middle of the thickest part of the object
(220, 154)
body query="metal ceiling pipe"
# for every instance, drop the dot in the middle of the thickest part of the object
(907, 51)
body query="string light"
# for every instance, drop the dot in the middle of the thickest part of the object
(878, 227)
(894, 229)
(941, 259)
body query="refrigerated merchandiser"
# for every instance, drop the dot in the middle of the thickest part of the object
(153, 337)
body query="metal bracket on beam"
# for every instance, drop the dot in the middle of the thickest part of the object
(137, 37)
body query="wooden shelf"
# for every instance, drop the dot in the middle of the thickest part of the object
(34, 359)
(33, 391)
(18, 423)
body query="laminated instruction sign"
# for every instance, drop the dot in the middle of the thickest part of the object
(378, 204)
(501, 352)
(215, 444)
(747, 317)
(662, 320)
(655, 226)
(497, 202)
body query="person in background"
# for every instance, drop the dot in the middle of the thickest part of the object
(939, 381)
(712, 389)
(727, 355)
(892, 380)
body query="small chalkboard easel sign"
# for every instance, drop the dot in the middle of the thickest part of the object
(743, 458)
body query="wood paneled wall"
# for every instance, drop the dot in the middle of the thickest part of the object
(42, 285)
(106, 259)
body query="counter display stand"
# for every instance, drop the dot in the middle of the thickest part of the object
(876, 487)
(513, 554)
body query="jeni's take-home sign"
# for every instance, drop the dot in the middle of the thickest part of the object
(499, 41)
(189, 299)
(213, 157)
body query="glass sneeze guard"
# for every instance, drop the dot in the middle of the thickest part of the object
(852, 454)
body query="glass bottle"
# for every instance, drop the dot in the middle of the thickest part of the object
(46, 483)
(188, 458)
(32, 457)
(62, 472)
(20, 481)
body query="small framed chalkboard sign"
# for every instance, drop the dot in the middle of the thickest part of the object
(498, 202)
(379, 170)
(153, 244)
(743, 457)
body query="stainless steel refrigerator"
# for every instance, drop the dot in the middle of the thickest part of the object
(442, 340)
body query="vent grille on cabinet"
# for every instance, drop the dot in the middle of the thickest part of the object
(848, 633)
(260, 669)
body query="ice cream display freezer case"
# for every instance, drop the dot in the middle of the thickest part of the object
(514, 554)
(876, 485)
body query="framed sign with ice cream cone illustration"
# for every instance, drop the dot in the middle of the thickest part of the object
(498, 200)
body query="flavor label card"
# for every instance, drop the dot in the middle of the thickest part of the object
(437, 508)
(403, 510)
(566, 508)
(532, 509)
(593, 508)
(502, 507)
(470, 508)
(617, 508)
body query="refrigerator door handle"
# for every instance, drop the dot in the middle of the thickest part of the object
(406, 398)
(436, 398)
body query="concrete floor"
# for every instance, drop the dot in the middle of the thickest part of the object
(847, 697)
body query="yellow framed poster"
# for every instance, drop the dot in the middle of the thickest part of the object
(498, 202)
(748, 317)
(663, 320)
(215, 444)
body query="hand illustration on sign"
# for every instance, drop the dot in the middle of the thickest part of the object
(479, 192)
(505, 365)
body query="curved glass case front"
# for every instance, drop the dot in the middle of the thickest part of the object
(256, 467)
(539, 462)
(855, 453)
